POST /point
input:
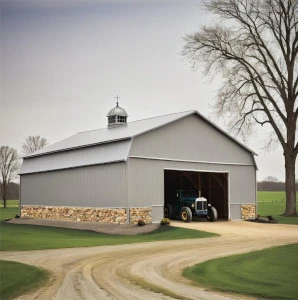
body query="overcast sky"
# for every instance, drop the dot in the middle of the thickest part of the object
(63, 63)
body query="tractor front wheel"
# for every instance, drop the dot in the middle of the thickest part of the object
(169, 211)
(186, 214)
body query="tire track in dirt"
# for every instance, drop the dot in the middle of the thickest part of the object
(143, 271)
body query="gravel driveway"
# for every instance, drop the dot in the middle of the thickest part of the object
(148, 270)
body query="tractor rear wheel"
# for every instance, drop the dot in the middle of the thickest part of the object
(186, 214)
(212, 216)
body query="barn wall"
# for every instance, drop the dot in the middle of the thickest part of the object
(191, 139)
(93, 186)
(146, 181)
(243, 185)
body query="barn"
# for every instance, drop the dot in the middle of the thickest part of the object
(131, 170)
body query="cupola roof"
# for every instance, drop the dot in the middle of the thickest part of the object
(117, 111)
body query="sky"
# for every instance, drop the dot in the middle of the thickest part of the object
(62, 63)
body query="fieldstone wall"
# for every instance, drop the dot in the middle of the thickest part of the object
(140, 213)
(248, 211)
(79, 214)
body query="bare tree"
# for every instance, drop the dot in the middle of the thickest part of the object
(254, 47)
(9, 166)
(33, 143)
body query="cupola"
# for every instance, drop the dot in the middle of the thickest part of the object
(117, 116)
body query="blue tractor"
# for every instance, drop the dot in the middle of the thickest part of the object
(188, 204)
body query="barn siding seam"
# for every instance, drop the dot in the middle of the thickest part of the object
(189, 161)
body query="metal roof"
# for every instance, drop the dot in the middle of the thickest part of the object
(100, 154)
(130, 130)
(107, 135)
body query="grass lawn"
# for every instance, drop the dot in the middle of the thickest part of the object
(273, 204)
(17, 278)
(29, 237)
(10, 203)
(8, 213)
(269, 273)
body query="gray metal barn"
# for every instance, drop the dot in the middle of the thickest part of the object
(128, 171)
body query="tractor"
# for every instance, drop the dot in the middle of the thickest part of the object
(187, 204)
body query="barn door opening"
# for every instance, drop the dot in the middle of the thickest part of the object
(211, 185)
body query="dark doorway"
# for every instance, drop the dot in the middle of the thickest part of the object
(213, 186)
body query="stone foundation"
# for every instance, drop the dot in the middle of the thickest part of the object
(248, 211)
(81, 214)
(143, 213)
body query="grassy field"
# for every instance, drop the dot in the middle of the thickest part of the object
(26, 237)
(264, 196)
(17, 279)
(10, 203)
(273, 204)
(269, 273)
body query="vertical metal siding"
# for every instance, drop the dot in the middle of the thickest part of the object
(145, 183)
(235, 212)
(243, 185)
(93, 186)
(157, 213)
(190, 138)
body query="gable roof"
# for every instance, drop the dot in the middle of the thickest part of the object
(123, 132)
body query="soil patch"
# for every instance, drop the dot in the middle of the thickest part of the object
(269, 220)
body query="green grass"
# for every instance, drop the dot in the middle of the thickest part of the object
(11, 210)
(269, 273)
(8, 213)
(17, 278)
(29, 237)
(273, 204)
(10, 203)
(267, 196)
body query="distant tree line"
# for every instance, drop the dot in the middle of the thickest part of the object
(273, 186)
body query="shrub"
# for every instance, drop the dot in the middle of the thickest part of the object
(141, 222)
(165, 221)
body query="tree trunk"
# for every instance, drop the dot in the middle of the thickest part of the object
(4, 194)
(290, 186)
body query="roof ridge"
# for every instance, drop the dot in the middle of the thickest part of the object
(149, 118)
(170, 114)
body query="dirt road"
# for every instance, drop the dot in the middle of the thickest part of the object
(149, 270)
